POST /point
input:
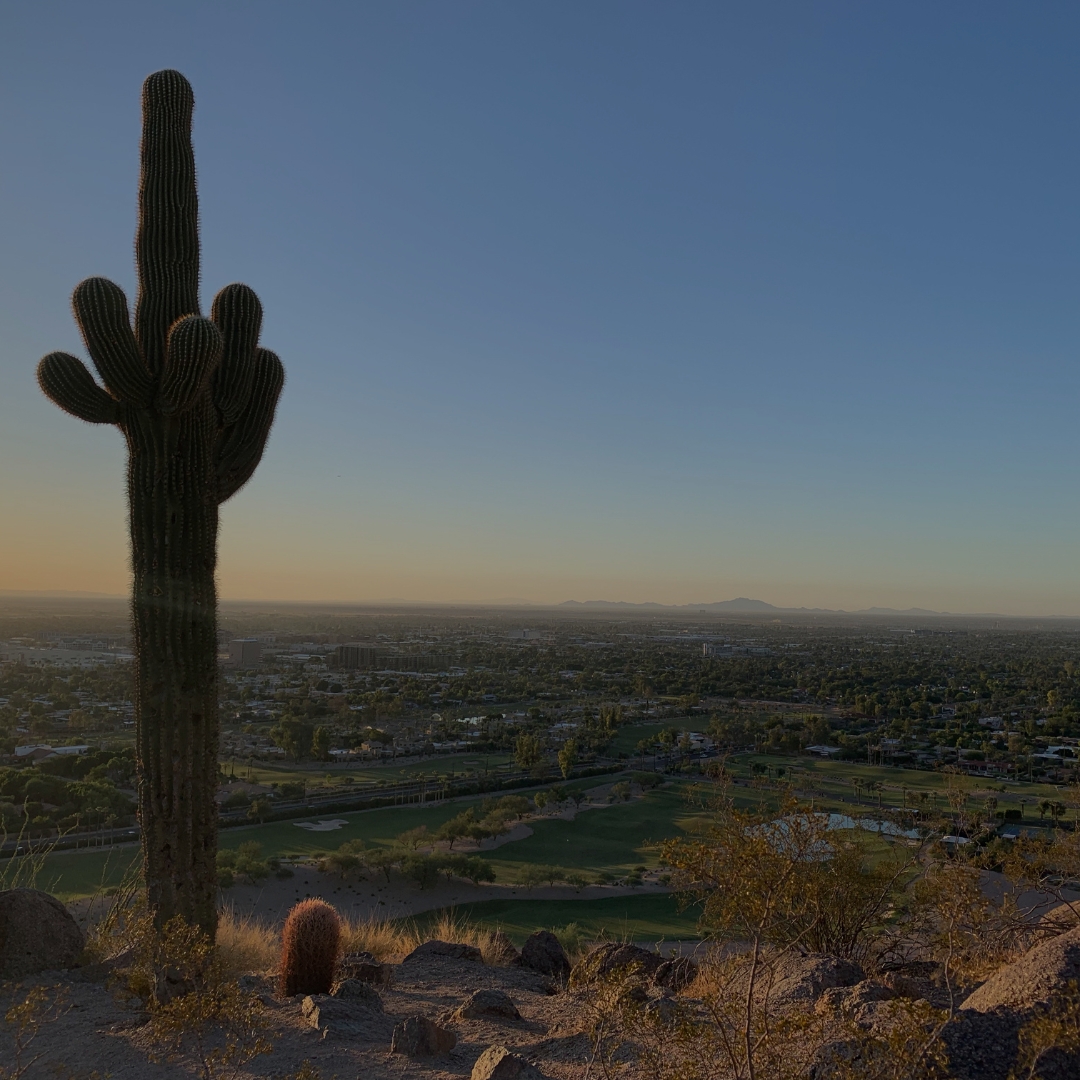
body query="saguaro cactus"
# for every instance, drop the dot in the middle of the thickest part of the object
(195, 399)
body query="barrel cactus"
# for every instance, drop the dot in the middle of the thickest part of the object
(194, 399)
(310, 944)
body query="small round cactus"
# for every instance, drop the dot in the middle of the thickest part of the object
(310, 943)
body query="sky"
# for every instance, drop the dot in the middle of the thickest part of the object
(667, 302)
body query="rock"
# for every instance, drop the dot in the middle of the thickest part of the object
(983, 1039)
(498, 1063)
(676, 973)
(485, 1004)
(543, 953)
(846, 1001)
(37, 933)
(615, 956)
(662, 1008)
(503, 950)
(361, 992)
(1033, 980)
(982, 1046)
(450, 950)
(335, 1016)
(417, 1036)
(804, 978)
(366, 968)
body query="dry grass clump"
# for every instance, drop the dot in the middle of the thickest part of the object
(388, 941)
(246, 944)
(381, 938)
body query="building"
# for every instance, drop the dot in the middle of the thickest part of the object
(245, 652)
(355, 657)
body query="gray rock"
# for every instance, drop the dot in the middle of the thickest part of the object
(350, 1019)
(498, 1063)
(804, 978)
(417, 1036)
(846, 1001)
(543, 953)
(617, 956)
(37, 933)
(676, 973)
(366, 968)
(663, 1008)
(487, 1004)
(450, 950)
(361, 992)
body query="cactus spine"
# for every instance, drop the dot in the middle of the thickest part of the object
(194, 399)
(310, 943)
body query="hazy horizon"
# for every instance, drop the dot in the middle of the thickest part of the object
(623, 301)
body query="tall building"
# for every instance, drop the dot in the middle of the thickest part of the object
(245, 652)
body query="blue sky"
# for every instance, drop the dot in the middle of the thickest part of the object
(666, 301)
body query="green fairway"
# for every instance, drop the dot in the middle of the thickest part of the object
(615, 838)
(832, 780)
(319, 777)
(652, 917)
(69, 875)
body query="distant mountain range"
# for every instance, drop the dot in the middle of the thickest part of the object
(743, 605)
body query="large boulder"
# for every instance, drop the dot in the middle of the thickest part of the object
(1033, 980)
(984, 1039)
(37, 933)
(498, 1063)
(487, 1005)
(446, 950)
(417, 1036)
(543, 953)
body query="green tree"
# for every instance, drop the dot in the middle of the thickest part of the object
(567, 758)
(527, 751)
(320, 744)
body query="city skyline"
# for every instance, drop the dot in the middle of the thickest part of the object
(610, 302)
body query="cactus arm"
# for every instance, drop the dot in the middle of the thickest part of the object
(102, 314)
(65, 380)
(167, 241)
(241, 446)
(193, 354)
(238, 314)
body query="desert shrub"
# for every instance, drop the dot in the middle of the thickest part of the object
(42, 1005)
(310, 942)
(572, 939)
(782, 877)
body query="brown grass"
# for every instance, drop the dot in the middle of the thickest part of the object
(388, 941)
(245, 944)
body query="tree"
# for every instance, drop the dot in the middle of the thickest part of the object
(320, 744)
(258, 810)
(568, 758)
(294, 737)
(194, 399)
(527, 753)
